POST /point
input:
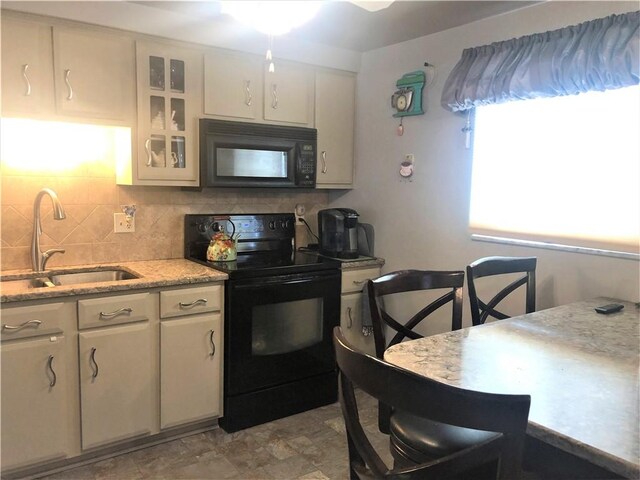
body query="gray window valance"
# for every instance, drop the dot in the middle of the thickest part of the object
(600, 55)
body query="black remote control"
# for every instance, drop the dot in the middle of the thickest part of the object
(611, 308)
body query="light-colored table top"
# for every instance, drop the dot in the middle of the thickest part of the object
(581, 369)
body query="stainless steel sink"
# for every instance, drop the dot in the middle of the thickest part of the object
(55, 279)
(91, 277)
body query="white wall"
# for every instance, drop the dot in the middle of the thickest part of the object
(423, 224)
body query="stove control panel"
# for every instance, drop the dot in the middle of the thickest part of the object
(250, 227)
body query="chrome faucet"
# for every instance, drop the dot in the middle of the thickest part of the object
(38, 258)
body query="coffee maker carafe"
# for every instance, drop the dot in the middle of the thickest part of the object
(338, 232)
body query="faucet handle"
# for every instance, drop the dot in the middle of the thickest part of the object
(48, 254)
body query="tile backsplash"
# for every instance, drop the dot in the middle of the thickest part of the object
(90, 199)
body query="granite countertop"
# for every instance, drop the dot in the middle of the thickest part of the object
(151, 273)
(580, 368)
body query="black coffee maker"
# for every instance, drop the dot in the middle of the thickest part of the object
(338, 232)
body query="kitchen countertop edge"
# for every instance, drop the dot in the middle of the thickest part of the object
(151, 273)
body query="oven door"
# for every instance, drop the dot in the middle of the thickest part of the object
(279, 329)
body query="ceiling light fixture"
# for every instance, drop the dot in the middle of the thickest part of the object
(372, 5)
(272, 17)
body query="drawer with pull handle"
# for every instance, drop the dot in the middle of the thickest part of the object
(186, 301)
(34, 320)
(354, 280)
(114, 310)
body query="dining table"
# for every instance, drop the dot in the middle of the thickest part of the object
(580, 367)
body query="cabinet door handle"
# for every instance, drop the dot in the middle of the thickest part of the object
(274, 94)
(350, 324)
(93, 363)
(324, 162)
(248, 96)
(359, 282)
(68, 82)
(199, 301)
(115, 313)
(30, 323)
(27, 92)
(213, 345)
(53, 373)
(147, 145)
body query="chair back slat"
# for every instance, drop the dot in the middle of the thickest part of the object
(411, 281)
(492, 266)
(406, 330)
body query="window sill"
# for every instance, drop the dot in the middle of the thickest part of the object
(556, 246)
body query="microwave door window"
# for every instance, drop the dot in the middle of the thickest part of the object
(237, 162)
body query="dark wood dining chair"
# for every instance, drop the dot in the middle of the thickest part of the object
(505, 416)
(492, 266)
(410, 281)
(403, 281)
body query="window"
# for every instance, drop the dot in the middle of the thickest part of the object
(561, 170)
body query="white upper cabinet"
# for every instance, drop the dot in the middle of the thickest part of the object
(27, 67)
(169, 104)
(233, 86)
(239, 86)
(72, 72)
(93, 74)
(288, 94)
(335, 114)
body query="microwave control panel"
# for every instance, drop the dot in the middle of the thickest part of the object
(306, 174)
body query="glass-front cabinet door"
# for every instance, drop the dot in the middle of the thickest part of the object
(168, 109)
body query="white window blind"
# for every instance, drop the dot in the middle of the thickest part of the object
(562, 170)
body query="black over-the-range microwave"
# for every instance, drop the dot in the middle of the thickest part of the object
(240, 154)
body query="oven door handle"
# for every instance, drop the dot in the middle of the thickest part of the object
(267, 281)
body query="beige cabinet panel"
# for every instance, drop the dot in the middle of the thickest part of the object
(233, 86)
(288, 94)
(117, 387)
(351, 322)
(190, 369)
(335, 115)
(27, 67)
(93, 74)
(354, 279)
(33, 320)
(352, 309)
(35, 403)
(113, 310)
(186, 301)
(169, 86)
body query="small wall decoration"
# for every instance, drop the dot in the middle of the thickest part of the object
(407, 100)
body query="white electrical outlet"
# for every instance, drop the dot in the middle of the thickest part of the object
(123, 223)
(300, 211)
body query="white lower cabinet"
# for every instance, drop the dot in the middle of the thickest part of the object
(190, 369)
(35, 402)
(84, 375)
(38, 358)
(191, 333)
(352, 307)
(116, 384)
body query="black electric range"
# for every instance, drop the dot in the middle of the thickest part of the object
(280, 309)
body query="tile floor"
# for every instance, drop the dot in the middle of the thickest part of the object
(310, 445)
